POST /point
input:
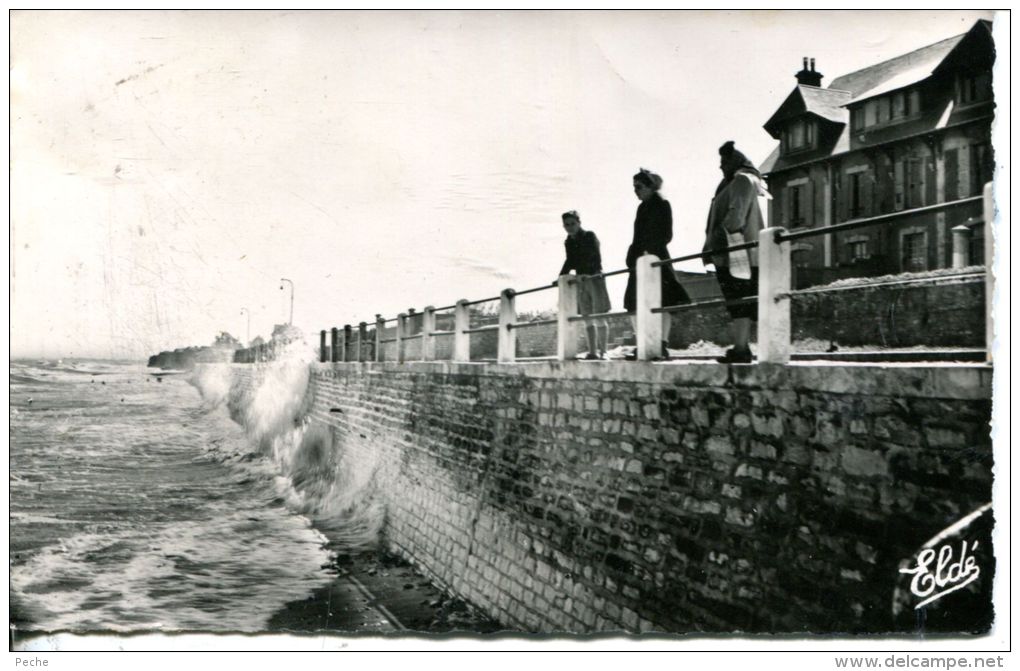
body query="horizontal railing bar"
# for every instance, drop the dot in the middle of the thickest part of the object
(387, 340)
(534, 290)
(481, 300)
(444, 308)
(868, 221)
(706, 304)
(444, 333)
(598, 315)
(887, 283)
(412, 337)
(710, 252)
(482, 329)
(595, 276)
(537, 322)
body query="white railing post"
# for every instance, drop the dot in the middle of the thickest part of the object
(380, 324)
(428, 341)
(989, 215)
(401, 332)
(566, 330)
(461, 323)
(506, 344)
(649, 297)
(773, 311)
(362, 339)
(961, 246)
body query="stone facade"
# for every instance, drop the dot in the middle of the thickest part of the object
(682, 497)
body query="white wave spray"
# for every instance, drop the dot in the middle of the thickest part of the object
(337, 489)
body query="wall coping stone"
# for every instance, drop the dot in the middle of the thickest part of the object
(929, 380)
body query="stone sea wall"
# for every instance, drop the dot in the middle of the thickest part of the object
(590, 497)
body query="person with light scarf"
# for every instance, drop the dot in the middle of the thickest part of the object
(735, 218)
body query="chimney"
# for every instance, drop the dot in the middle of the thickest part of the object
(808, 76)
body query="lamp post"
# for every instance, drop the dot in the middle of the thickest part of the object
(247, 331)
(284, 279)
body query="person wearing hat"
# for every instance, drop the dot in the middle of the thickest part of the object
(653, 230)
(735, 218)
(585, 259)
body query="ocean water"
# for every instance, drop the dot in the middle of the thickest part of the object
(137, 504)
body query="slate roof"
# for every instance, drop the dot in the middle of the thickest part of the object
(896, 73)
(831, 103)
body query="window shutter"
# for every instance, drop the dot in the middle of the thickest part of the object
(913, 182)
(952, 169)
(784, 207)
(867, 190)
(963, 184)
(929, 180)
(808, 205)
(898, 179)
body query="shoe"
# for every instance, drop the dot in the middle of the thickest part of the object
(591, 356)
(734, 355)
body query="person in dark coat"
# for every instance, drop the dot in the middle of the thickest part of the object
(585, 259)
(653, 230)
(735, 218)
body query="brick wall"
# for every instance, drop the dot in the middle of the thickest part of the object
(595, 497)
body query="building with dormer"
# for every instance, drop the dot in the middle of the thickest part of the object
(901, 140)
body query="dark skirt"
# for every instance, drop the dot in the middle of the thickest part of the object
(672, 292)
(734, 289)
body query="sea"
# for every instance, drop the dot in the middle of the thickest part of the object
(138, 504)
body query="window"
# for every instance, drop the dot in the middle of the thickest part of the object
(982, 167)
(915, 252)
(796, 198)
(883, 110)
(974, 88)
(857, 118)
(855, 195)
(905, 104)
(800, 135)
(858, 250)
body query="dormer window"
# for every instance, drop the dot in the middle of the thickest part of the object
(799, 135)
(974, 88)
(893, 108)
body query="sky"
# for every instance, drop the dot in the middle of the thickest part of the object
(168, 168)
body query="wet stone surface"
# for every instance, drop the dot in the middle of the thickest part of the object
(379, 593)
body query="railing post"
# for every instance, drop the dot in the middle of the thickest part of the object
(773, 311)
(380, 324)
(401, 332)
(322, 345)
(461, 340)
(362, 339)
(428, 341)
(961, 246)
(989, 215)
(649, 297)
(566, 330)
(345, 342)
(335, 346)
(506, 344)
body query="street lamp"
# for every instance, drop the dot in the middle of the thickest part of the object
(247, 331)
(284, 279)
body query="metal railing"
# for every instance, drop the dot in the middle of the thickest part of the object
(773, 299)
